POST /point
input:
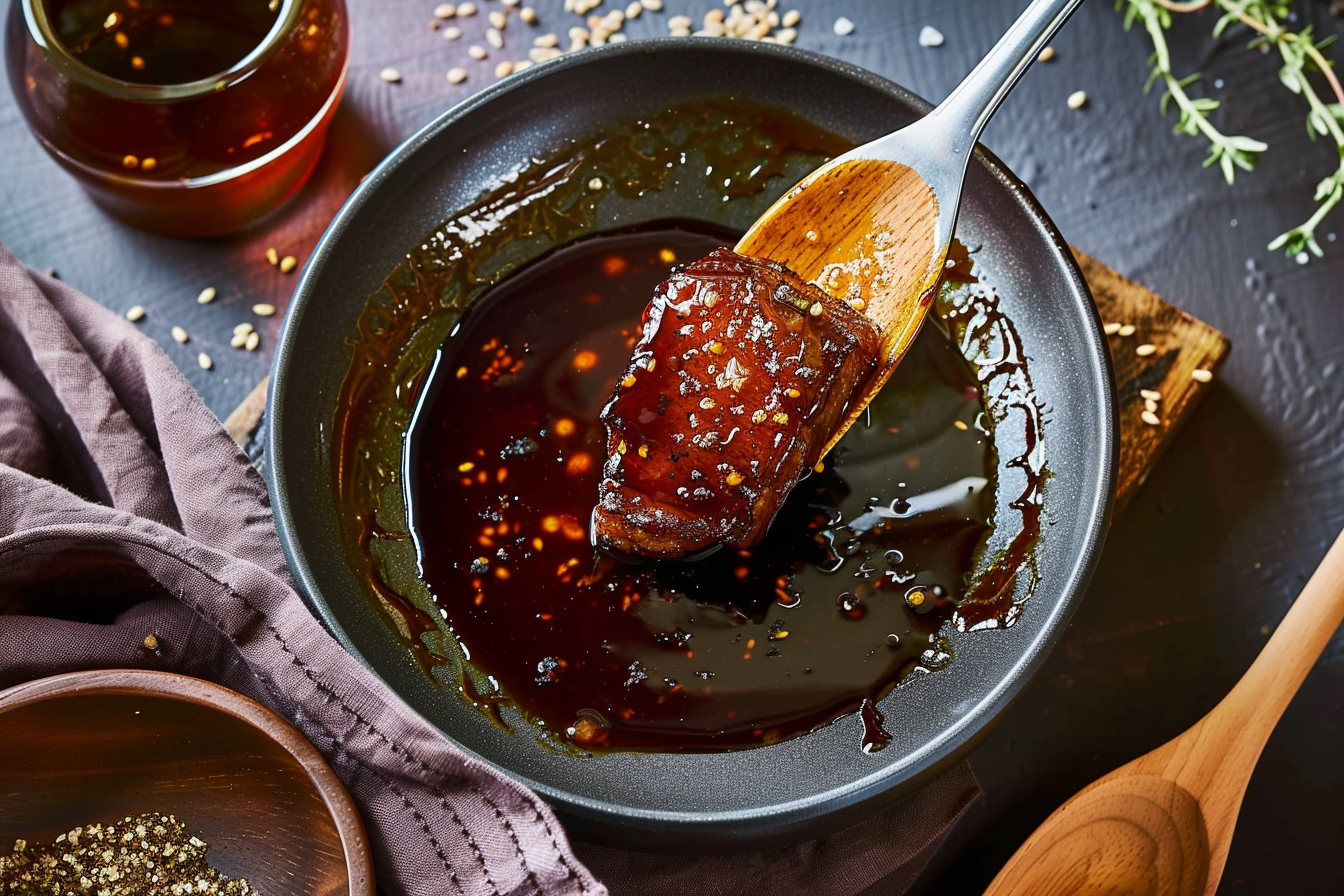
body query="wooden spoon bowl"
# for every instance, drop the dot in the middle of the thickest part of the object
(101, 745)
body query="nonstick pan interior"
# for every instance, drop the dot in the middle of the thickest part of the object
(765, 796)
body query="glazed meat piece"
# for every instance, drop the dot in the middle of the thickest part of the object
(741, 376)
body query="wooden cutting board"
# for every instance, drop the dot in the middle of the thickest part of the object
(1156, 348)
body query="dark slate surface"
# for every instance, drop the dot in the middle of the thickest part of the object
(1208, 556)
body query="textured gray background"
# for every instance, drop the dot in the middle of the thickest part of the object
(1202, 564)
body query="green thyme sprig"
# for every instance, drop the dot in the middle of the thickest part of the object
(1301, 55)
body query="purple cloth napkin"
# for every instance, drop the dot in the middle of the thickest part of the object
(126, 510)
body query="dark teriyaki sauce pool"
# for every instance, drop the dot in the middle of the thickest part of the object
(845, 596)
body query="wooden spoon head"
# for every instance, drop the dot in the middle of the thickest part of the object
(1132, 835)
(866, 231)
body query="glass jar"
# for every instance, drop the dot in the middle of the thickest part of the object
(183, 117)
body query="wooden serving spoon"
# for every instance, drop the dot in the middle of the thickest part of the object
(873, 226)
(1162, 825)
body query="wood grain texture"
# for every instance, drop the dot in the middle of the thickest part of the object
(1181, 345)
(1162, 824)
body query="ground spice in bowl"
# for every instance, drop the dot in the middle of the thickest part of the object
(142, 855)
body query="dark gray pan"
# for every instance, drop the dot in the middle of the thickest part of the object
(724, 801)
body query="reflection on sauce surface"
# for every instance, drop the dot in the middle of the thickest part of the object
(480, 552)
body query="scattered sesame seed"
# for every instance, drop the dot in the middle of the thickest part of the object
(445, 11)
(148, 164)
(633, 10)
(1111, 328)
(151, 642)
(466, 10)
(504, 69)
(1151, 394)
(595, 183)
(1145, 350)
(272, 256)
(135, 313)
(494, 38)
(476, 52)
(1046, 55)
(1077, 99)
(930, 37)
(253, 341)
(130, 162)
(207, 295)
(652, 5)
(676, 23)
(180, 334)
(498, 19)
(1150, 406)
(1150, 418)
(204, 360)
(390, 75)
(541, 54)
(457, 75)
(1127, 330)
(288, 263)
(452, 32)
(1202, 376)
(522, 64)
(239, 340)
(263, 309)
(244, 328)
(843, 26)
(815, 309)
(960, 425)
(528, 15)
(734, 479)
(791, 19)
(546, 40)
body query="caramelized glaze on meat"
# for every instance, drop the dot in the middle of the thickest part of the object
(742, 374)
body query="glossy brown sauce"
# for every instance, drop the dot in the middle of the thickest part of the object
(474, 530)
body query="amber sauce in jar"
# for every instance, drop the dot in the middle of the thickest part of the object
(845, 595)
(190, 117)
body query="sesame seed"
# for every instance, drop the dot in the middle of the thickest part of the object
(1145, 350)
(547, 40)
(476, 52)
(595, 183)
(148, 164)
(494, 38)
(734, 478)
(204, 360)
(466, 10)
(522, 64)
(243, 328)
(238, 340)
(253, 341)
(207, 295)
(791, 18)
(288, 263)
(652, 5)
(457, 75)
(498, 19)
(1151, 394)
(528, 15)
(504, 69)
(815, 310)
(452, 32)
(960, 425)
(1150, 418)
(263, 309)
(130, 162)
(843, 26)
(1077, 99)
(390, 75)
(272, 256)
(150, 642)
(1127, 330)
(633, 10)
(541, 54)
(1202, 376)
(930, 37)
(677, 23)
(180, 334)
(1111, 329)
(1150, 406)
(1046, 55)
(445, 11)
(135, 313)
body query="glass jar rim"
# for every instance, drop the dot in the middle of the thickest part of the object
(40, 30)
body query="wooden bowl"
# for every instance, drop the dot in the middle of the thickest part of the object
(100, 745)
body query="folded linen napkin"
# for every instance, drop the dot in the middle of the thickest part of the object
(126, 510)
